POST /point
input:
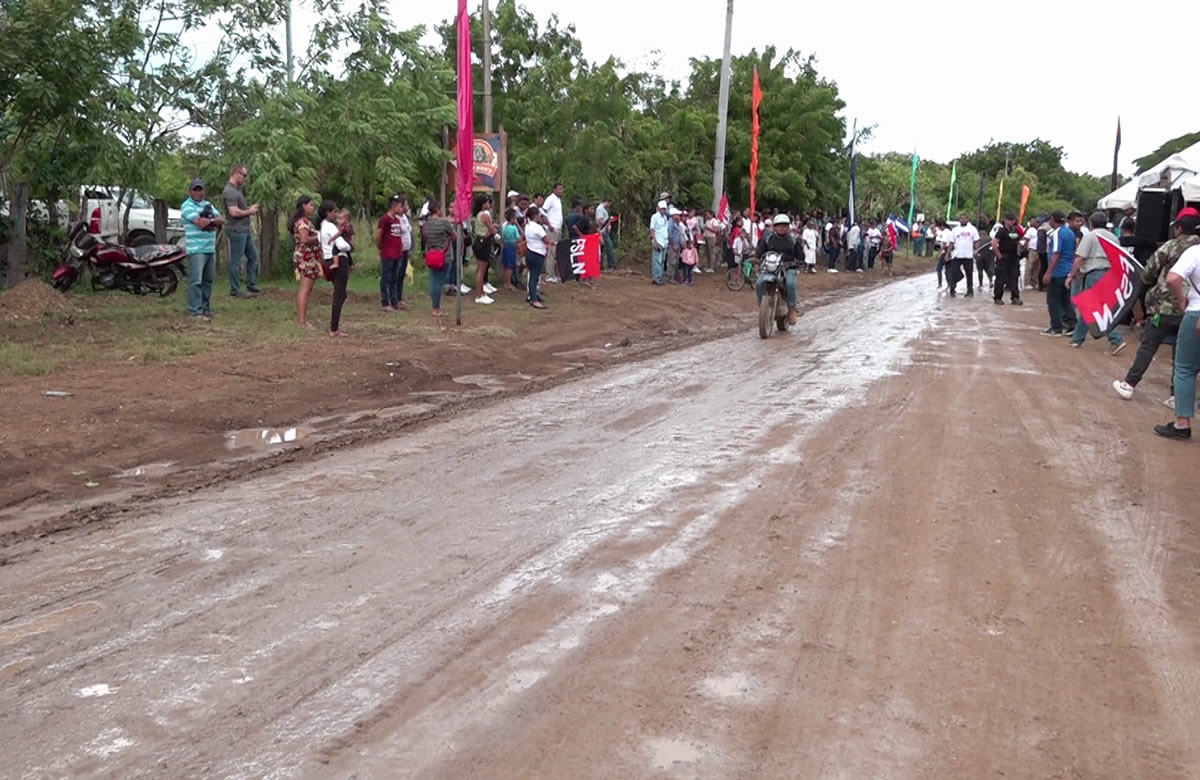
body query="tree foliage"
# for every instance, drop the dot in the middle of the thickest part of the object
(1173, 146)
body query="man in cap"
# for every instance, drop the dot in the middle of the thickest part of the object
(1006, 246)
(659, 236)
(676, 238)
(1091, 263)
(201, 222)
(1163, 315)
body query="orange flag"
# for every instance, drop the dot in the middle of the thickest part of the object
(755, 101)
(1024, 202)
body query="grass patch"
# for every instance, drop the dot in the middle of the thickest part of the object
(23, 360)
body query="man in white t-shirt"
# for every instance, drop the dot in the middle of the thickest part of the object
(964, 236)
(853, 238)
(1183, 280)
(553, 209)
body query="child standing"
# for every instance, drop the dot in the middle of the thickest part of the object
(688, 258)
(510, 234)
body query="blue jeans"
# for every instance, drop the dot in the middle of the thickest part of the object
(1081, 327)
(919, 246)
(606, 249)
(1187, 365)
(391, 280)
(658, 261)
(790, 280)
(437, 280)
(201, 269)
(832, 252)
(242, 245)
(536, 264)
(1058, 301)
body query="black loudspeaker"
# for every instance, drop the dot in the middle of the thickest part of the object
(1152, 214)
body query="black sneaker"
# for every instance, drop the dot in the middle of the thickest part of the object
(1018, 302)
(998, 301)
(1169, 431)
(970, 294)
(1051, 332)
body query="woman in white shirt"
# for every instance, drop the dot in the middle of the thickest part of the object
(535, 253)
(335, 250)
(1183, 280)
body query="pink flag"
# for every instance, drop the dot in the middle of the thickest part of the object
(464, 186)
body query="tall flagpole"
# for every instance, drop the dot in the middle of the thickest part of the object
(487, 69)
(722, 112)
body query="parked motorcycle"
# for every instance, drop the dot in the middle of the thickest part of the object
(773, 308)
(139, 270)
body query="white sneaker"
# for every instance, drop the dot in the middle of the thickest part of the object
(553, 280)
(464, 289)
(485, 300)
(1170, 402)
(1123, 389)
(833, 270)
(488, 289)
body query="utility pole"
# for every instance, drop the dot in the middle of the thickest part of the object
(722, 112)
(487, 68)
(287, 30)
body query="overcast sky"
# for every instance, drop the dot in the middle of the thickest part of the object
(975, 68)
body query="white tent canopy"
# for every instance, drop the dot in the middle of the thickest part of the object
(1121, 198)
(1182, 169)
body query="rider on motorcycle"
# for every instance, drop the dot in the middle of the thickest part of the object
(782, 241)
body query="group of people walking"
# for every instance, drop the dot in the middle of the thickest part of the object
(1064, 255)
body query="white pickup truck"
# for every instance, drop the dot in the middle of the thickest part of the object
(100, 210)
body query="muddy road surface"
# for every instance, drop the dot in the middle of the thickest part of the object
(910, 539)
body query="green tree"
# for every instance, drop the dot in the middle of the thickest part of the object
(1173, 146)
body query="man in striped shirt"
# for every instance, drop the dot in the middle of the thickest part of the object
(201, 223)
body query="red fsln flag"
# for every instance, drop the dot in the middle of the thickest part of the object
(723, 209)
(585, 256)
(464, 186)
(756, 97)
(1105, 303)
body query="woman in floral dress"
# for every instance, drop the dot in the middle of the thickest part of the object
(307, 256)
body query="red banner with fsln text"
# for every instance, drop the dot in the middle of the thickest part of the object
(585, 256)
(1105, 304)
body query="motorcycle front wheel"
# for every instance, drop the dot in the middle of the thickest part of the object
(168, 281)
(735, 279)
(66, 281)
(766, 314)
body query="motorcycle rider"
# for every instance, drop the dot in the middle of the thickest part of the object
(782, 241)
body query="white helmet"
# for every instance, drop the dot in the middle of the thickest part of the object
(781, 219)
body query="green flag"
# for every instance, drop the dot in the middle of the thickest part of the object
(950, 197)
(912, 191)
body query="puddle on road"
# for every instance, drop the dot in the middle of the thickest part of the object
(495, 382)
(147, 470)
(668, 752)
(48, 622)
(261, 438)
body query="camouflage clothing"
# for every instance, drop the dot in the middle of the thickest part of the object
(1159, 299)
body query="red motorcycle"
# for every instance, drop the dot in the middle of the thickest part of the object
(139, 270)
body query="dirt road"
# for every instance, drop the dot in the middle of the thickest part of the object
(911, 539)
